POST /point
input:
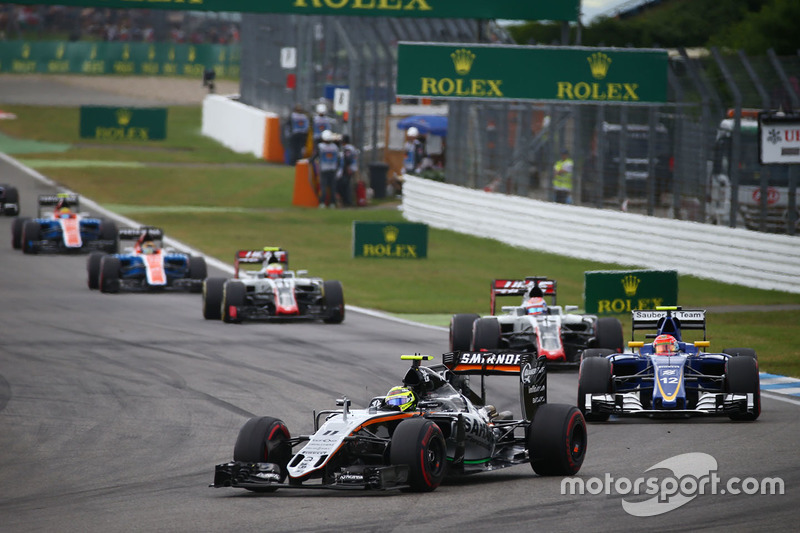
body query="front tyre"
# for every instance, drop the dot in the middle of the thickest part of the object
(110, 233)
(109, 274)
(461, 331)
(741, 377)
(333, 297)
(93, 269)
(557, 440)
(594, 377)
(212, 298)
(233, 295)
(741, 352)
(197, 271)
(31, 235)
(264, 439)
(419, 443)
(16, 232)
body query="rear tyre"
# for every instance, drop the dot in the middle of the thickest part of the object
(109, 274)
(31, 234)
(594, 378)
(557, 440)
(741, 377)
(264, 440)
(333, 297)
(109, 232)
(609, 334)
(93, 269)
(212, 298)
(419, 443)
(233, 293)
(741, 352)
(461, 331)
(485, 334)
(11, 207)
(197, 271)
(16, 232)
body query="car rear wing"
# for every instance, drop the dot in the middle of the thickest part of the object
(668, 320)
(520, 287)
(268, 254)
(132, 234)
(51, 200)
(532, 372)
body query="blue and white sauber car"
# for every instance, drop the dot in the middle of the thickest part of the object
(431, 426)
(146, 266)
(670, 376)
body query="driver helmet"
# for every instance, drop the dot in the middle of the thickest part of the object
(665, 345)
(535, 306)
(274, 270)
(148, 247)
(402, 399)
(62, 206)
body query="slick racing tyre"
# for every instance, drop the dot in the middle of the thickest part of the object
(93, 269)
(31, 234)
(333, 296)
(741, 377)
(594, 377)
(609, 334)
(485, 334)
(109, 274)
(212, 298)
(109, 232)
(741, 352)
(11, 201)
(264, 440)
(16, 232)
(197, 271)
(557, 440)
(233, 293)
(596, 352)
(461, 331)
(419, 443)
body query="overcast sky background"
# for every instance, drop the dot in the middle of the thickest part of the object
(592, 8)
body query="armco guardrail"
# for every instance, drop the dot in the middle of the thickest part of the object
(737, 256)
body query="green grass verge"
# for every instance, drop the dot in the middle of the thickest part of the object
(219, 202)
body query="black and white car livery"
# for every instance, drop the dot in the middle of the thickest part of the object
(451, 431)
(263, 295)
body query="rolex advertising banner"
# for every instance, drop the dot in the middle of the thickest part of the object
(151, 59)
(397, 240)
(123, 123)
(539, 73)
(461, 9)
(608, 292)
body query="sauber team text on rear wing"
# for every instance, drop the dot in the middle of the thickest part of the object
(268, 254)
(520, 287)
(669, 319)
(532, 373)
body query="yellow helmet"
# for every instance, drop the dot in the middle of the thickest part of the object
(401, 398)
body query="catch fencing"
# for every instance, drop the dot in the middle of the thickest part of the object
(672, 160)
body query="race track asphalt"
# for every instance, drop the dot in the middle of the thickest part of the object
(114, 410)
